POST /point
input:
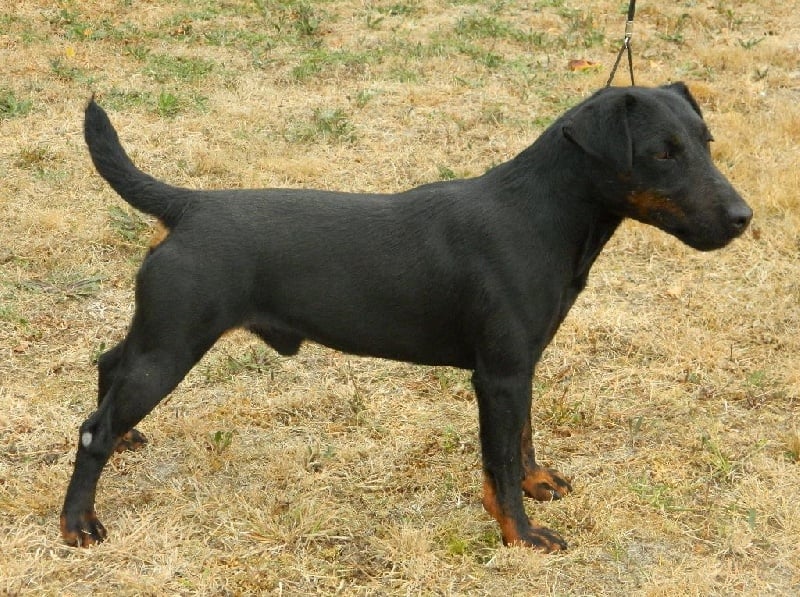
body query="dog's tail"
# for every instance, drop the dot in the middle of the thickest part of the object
(141, 190)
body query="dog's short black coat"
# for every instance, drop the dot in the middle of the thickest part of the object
(475, 273)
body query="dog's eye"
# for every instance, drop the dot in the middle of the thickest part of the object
(665, 155)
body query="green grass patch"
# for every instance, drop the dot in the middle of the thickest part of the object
(164, 68)
(120, 100)
(292, 18)
(581, 29)
(482, 56)
(446, 173)
(128, 224)
(72, 25)
(399, 9)
(66, 285)
(238, 38)
(70, 73)
(166, 103)
(326, 124)
(42, 163)
(478, 26)
(657, 495)
(11, 106)
(319, 63)
(405, 75)
(483, 26)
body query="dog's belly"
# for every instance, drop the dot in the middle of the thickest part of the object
(412, 344)
(430, 353)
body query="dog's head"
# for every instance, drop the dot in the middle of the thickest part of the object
(648, 151)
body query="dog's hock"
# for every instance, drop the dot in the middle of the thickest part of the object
(600, 128)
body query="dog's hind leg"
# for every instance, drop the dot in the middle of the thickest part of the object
(504, 403)
(540, 483)
(106, 370)
(107, 366)
(141, 380)
(160, 348)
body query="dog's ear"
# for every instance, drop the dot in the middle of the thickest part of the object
(600, 128)
(681, 89)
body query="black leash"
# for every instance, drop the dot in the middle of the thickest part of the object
(626, 45)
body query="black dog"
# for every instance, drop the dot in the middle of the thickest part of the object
(475, 273)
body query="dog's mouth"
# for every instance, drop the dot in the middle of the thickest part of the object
(726, 217)
(705, 238)
(705, 230)
(705, 243)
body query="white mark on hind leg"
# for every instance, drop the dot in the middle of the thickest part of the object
(86, 439)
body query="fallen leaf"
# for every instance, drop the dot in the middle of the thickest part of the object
(579, 65)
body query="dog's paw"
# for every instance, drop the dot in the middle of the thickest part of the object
(539, 538)
(545, 484)
(133, 440)
(82, 530)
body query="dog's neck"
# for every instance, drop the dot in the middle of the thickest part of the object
(540, 179)
(565, 202)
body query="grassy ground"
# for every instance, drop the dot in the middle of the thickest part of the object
(670, 394)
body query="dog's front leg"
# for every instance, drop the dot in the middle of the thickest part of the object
(504, 407)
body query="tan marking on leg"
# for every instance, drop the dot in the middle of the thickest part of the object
(91, 532)
(133, 440)
(540, 483)
(534, 536)
(545, 484)
(508, 528)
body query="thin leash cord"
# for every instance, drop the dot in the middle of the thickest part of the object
(626, 45)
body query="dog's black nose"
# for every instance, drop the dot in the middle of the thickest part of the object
(740, 215)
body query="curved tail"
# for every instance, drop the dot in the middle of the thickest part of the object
(141, 190)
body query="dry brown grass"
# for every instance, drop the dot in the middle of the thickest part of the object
(670, 393)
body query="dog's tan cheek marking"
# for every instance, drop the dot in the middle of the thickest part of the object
(646, 205)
